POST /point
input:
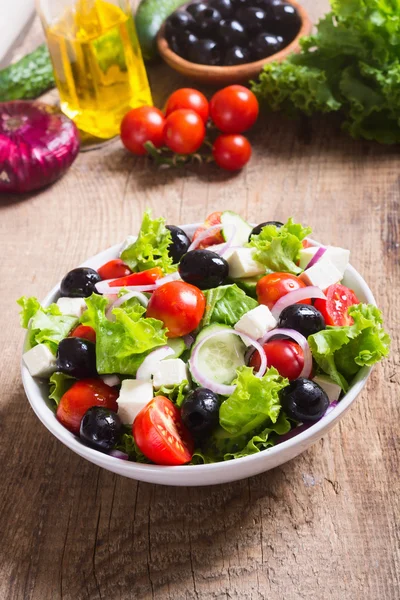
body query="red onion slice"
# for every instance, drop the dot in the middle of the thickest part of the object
(188, 339)
(319, 253)
(111, 380)
(214, 229)
(145, 370)
(118, 454)
(141, 297)
(221, 388)
(302, 342)
(103, 288)
(171, 277)
(311, 291)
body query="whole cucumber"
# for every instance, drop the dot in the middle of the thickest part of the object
(149, 17)
(28, 78)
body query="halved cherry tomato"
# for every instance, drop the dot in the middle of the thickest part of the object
(334, 309)
(113, 269)
(188, 98)
(144, 278)
(160, 434)
(85, 332)
(179, 305)
(215, 237)
(81, 396)
(275, 285)
(286, 356)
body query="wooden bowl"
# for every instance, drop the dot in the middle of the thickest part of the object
(237, 74)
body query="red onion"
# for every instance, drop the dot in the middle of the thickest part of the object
(171, 277)
(310, 291)
(141, 297)
(103, 288)
(188, 339)
(145, 370)
(214, 229)
(221, 388)
(119, 454)
(319, 253)
(111, 380)
(300, 339)
(38, 144)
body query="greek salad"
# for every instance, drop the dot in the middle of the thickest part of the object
(189, 351)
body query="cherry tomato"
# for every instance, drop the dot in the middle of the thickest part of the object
(306, 244)
(140, 125)
(184, 131)
(334, 309)
(188, 98)
(231, 151)
(234, 109)
(275, 285)
(114, 268)
(80, 397)
(286, 356)
(179, 305)
(144, 278)
(85, 332)
(213, 238)
(160, 434)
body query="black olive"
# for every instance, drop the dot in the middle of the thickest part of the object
(79, 283)
(239, 3)
(183, 42)
(304, 318)
(265, 44)
(286, 21)
(204, 269)
(252, 18)
(257, 229)
(232, 33)
(180, 243)
(195, 8)
(100, 428)
(236, 56)
(200, 412)
(204, 52)
(174, 44)
(224, 7)
(208, 20)
(304, 400)
(179, 21)
(77, 357)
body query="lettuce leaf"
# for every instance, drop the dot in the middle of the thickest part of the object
(151, 247)
(45, 325)
(176, 394)
(341, 351)
(128, 445)
(278, 247)
(59, 383)
(123, 344)
(226, 304)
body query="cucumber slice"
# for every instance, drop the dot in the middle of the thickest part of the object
(148, 19)
(243, 229)
(248, 285)
(178, 346)
(220, 356)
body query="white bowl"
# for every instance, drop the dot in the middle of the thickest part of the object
(193, 475)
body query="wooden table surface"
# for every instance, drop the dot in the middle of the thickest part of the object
(325, 525)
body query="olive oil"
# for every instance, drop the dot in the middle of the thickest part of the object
(98, 65)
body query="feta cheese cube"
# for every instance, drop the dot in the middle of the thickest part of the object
(131, 239)
(133, 396)
(73, 307)
(322, 274)
(256, 322)
(332, 389)
(40, 361)
(338, 257)
(242, 264)
(169, 372)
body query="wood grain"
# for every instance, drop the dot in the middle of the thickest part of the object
(325, 525)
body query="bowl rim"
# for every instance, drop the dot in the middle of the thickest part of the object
(130, 468)
(237, 71)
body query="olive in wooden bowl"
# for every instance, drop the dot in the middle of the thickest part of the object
(220, 42)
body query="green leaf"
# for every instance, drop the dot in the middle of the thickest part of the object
(176, 394)
(341, 351)
(123, 344)
(151, 247)
(59, 383)
(278, 247)
(226, 304)
(128, 445)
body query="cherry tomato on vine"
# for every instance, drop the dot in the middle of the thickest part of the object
(334, 309)
(140, 125)
(179, 305)
(188, 98)
(286, 356)
(214, 237)
(85, 332)
(184, 131)
(234, 109)
(113, 269)
(275, 285)
(160, 433)
(81, 396)
(231, 151)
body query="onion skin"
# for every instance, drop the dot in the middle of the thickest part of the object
(38, 143)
